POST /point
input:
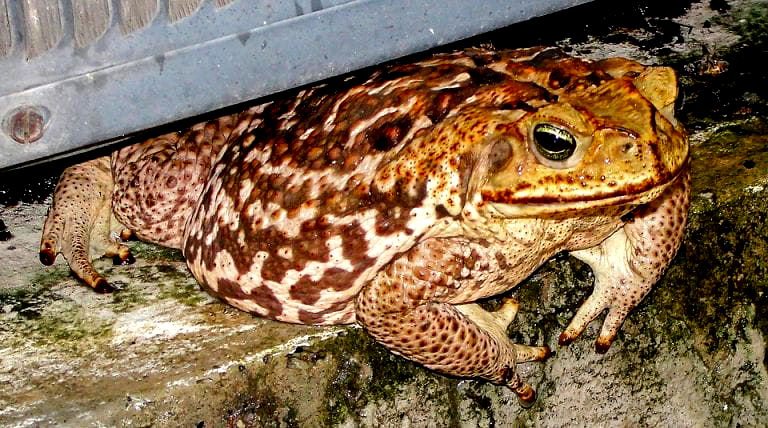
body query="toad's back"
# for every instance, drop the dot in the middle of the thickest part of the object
(288, 223)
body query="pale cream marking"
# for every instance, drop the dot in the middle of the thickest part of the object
(259, 109)
(390, 86)
(291, 112)
(246, 188)
(418, 124)
(448, 181)
(422, 218)
(306, 133)
(339, 316)
(441, 60)
(337, 181)
(454, 82)
(262, 155)
(383, 252)
(289, 124)
(253, 124)
(500, 67)
(315, 269)
(285, 252)
(330, 121)
(226, 212)
(223, 264)
(224, 268)
(247, 305)
(252, 280)
(273, 210)
(214, 232)
(365, 124)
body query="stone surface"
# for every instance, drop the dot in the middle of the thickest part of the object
(159, 352)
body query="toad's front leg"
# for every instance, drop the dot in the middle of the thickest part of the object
(629, 262)
(409, 308)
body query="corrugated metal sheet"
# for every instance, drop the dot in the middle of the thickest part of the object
(74, 73)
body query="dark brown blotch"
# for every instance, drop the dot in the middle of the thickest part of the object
(312, 318)
(262, 296)
(445, 101)
(501, 260)
(482, 59)
(486, 76)
(547, 57)
(390, 134)
(559, 78)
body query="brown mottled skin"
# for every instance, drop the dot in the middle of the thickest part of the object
(398, 199)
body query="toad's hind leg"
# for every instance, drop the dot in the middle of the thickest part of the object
(408, 308)
(151, 188)
(80, 222)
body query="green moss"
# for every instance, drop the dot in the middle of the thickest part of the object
(147, 251)
(259, 404)
(182, 287)
(127, 298)
(47, 319)
(348, 391)
(751, 23)
(549, 299)
(157, 282)
(69, 330)
(48, 277)
(28, 302)
(712, 295)
(733, 158)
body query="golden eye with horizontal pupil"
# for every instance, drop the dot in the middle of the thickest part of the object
(554, 143)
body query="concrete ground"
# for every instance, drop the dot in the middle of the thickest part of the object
(160, 352)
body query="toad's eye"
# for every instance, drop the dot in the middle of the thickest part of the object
(554, 143)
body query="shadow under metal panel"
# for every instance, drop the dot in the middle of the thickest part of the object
(74, 73)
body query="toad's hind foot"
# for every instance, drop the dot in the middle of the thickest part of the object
(80, 223)
(496, 324)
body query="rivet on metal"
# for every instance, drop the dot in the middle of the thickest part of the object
(25, 124)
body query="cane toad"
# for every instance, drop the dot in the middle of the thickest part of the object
(398, 198)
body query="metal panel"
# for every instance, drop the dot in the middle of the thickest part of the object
(91, 20)
(164, 60)
(43, 25)
(5, 30)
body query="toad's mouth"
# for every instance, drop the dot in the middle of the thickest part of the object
(507, 205)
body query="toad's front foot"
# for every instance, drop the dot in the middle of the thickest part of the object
(629, 262)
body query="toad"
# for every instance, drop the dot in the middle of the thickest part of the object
(397, 199)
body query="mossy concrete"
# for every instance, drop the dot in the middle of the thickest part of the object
(160, 352)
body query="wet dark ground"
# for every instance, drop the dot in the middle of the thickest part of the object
(741, 91)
